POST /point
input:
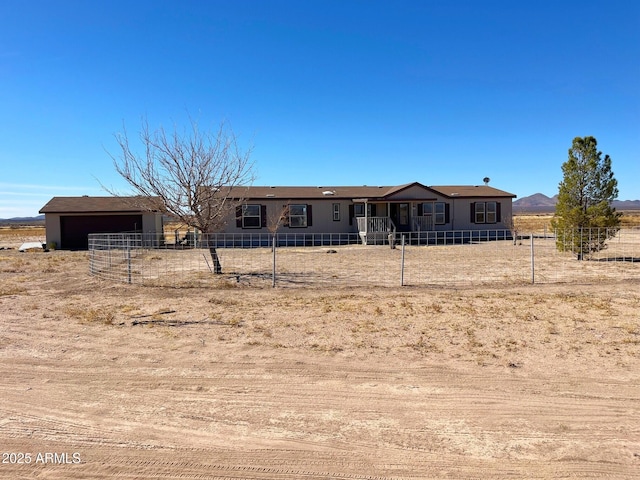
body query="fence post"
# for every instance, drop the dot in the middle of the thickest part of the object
(533, 265)
(402, 264)
(128, 260)
(273, 274)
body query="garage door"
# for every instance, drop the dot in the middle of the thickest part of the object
(74, 230)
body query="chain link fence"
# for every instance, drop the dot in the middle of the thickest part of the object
(429, 258)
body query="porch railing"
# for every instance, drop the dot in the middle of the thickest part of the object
(375, 224)
(386, 225)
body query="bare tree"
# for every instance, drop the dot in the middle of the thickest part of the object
(187, 174)
(274, 222)
(514, 226)
(277, 219)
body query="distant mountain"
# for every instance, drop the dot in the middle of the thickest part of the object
(31, 220)
(540, 203)
(536, 200)
(627, 204)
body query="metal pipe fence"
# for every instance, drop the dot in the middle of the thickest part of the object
(414, 259)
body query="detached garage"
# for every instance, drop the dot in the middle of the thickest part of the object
(69, 220)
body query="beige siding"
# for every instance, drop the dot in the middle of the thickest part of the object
(382, 209)
(52, 226)
(321, 217)
(412, 193)
(151, 223)
(461, 214)
(322, 213)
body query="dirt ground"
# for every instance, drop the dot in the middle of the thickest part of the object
(103, 380)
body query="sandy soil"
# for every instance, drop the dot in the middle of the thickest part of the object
(315, 383)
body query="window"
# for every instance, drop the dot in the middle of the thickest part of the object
(440, 213)
(251, 216)
(336, 212)
(427, 209)
(298, 216)
(485, 212)
(373, 209)
(480, 212)
(491, 212)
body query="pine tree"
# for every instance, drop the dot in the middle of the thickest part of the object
(584, 219)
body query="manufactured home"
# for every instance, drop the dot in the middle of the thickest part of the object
(371, 211)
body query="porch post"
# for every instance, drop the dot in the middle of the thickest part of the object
(366, 221)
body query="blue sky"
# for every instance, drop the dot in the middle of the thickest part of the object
(333, 92)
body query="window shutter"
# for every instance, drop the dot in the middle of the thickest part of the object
(420, 212)
(239, 216)
(285, 208)
(473, 212)
(446, 213)
(309, 216)
(498, 212)
(351, 214)
(263, 215)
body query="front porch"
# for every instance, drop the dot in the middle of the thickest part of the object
(376, 230)
(377, 218)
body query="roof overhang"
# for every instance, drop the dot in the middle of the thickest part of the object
(102, 205)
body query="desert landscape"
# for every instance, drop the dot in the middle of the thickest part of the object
(229, 380)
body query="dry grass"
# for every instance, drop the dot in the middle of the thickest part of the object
(488, 263)
(516, 380)
(22, 231)
(8, 289)
(540, 223)
(90, 314)
(532, 223)
(630, 218)
(496, 262)
(485, 324)
(13, 236)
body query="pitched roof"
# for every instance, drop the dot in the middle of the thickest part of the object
(286, 192)
(86, 204)
(361, 192)
(471, 191)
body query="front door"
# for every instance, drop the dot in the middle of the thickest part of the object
(400, 216)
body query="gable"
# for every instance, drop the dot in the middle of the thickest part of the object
(413, 191)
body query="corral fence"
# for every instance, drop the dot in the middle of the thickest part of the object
(425, 258)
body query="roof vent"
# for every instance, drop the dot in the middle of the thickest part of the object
(270, 195)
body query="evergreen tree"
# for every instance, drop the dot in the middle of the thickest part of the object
(584, 219)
